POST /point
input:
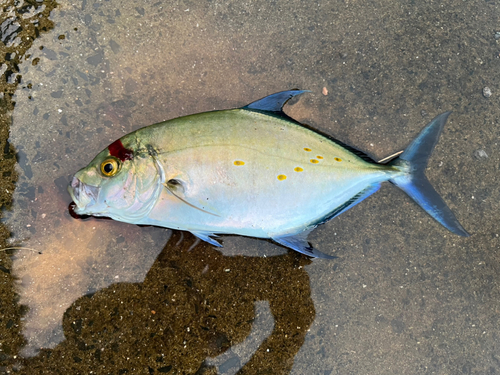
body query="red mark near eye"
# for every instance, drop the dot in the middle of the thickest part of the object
(117, 150)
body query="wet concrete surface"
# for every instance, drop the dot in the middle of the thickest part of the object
(404, 296)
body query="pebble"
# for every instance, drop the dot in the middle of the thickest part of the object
(480, 154)
(325, 91)
(486, 92)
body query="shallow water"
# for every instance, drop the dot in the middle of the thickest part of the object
(404, 296)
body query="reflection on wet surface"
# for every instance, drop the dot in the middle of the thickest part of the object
(404, 295)
(20, 23)
(194, 303)
(78, 258)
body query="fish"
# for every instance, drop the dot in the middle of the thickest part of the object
(250, 171)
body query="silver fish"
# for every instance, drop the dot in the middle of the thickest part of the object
(251, 171)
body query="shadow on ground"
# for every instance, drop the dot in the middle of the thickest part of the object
(194, 303)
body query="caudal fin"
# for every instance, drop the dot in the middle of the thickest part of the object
(414, 183)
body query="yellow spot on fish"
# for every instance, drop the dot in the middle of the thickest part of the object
(338, 159)
(281, 177)
(319, 157)
(298, 169)
(239, 162)
(314, 161)
(307, 149)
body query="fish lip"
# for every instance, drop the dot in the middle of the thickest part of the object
(83, 195)
(73, 189)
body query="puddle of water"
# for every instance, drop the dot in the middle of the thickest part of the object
(76, 98)
(78, 258)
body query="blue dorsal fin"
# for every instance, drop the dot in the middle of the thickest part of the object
(274, 102)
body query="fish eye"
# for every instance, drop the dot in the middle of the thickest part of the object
(109, 167)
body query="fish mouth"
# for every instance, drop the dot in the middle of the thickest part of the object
(83, 195)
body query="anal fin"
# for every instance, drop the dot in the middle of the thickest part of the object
(298, 242)
(206, 236)
(362, 195)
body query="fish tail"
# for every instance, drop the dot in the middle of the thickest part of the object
(414, 182)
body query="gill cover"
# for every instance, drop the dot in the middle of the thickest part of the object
(119, 183)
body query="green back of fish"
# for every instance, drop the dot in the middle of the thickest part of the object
(271, 135)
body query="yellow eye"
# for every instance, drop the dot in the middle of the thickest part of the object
(109, 167)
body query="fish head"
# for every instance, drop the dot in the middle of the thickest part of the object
(120, 183)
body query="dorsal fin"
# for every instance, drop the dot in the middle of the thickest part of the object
(273, 105)
(274, 102)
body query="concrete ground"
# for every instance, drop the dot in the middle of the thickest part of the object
(404, 296)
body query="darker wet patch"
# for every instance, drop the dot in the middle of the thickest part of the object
(49, 54)
(22, 160)
(7, 151)
(398, 326)
(130, 85)
(62, 184)
(232, 362)
(82, 76)
(96, 59)
(56, 94)
(115, 47)
(27, 191)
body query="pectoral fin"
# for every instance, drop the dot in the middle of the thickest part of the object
(176, 188)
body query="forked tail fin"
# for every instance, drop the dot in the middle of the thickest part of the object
(414, 183)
